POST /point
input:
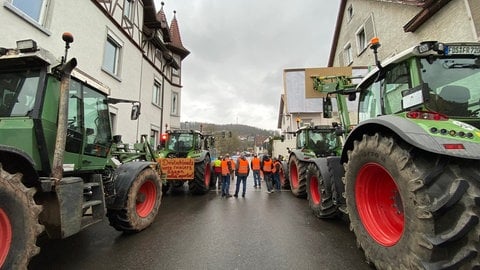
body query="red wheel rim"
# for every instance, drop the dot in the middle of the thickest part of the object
(207, 175)
(294, 175)
(5, 236)
(379, 204)
(146, 198)
(282, 177)
(315, 196)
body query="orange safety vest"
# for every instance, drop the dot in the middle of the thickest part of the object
(267, 165)
(255, 163)
(243, 166)
(225, 167)
(274, 170)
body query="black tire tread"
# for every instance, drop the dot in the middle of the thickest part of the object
(301, 190)
(23, 246)
(197, 185)
(442, 213)
(326, 208)
(127, 219)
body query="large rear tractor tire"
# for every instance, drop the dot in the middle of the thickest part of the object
(142, 204)
(19, 225)
(319, 194)
(411, 209)
(201, 182)
(298, 177)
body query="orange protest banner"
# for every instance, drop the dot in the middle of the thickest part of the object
(178, 168)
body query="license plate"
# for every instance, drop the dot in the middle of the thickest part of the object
(462, 49)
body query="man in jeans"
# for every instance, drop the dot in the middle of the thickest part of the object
(255, 166)
(276, 173)
(241, 171)
(227, 169)
(217, 172)
(267, 167)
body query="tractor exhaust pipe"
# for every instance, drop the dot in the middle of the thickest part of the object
(65, 71)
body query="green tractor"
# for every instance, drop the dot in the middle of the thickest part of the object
(185, 157)
(312, 142)
(315, 161)
(412, 187)
(58, 173)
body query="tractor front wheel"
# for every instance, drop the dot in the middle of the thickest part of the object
(201, 182)
(297, 176)
(19, 225)
(319, 194)
(410, 209)
(143, 201)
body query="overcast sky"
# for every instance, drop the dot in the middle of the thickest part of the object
(238, 51)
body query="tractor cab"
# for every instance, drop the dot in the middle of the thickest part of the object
(432, 80)
(180, 143)
(29, 112)
(322, 140)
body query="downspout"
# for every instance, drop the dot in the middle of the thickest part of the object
(163, 93)
(140, 96)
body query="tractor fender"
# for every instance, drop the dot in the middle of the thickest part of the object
(332, 172)
(412, 134)
(16, 160)
(123, 178)
(203, 155)
(300, 155)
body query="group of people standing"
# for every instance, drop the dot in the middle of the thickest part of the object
(224, 169)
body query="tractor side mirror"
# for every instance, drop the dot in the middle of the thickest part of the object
(352, 96)
(327, 107)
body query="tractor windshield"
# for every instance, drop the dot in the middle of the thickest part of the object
(454, 85)
(17, 92)
(180, 142)
(323, 143)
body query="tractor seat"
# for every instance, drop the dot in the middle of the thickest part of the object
(454, 100)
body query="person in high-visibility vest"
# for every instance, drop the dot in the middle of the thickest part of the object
(242, 170)
(276, 173)
(255, 166)
(217, 170)
(267, 166)
(227, 169)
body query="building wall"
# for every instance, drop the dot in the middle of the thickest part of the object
(90, 26)
(451, 23)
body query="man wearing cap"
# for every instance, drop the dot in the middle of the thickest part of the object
(255, 166)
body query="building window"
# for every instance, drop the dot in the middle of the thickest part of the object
(35, 9)
(113, 122)
(347, 54)
(111, 57)
(361, 40)
(350, 13)
(154, 137)
(128, 9)
(176, 72)
(157, 94)
(174, 110)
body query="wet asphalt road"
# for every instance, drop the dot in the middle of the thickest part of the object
(261, 231)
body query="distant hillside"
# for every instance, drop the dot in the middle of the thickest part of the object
(239, 130)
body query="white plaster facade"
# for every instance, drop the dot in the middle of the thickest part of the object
(457, 20)
(141, 62)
